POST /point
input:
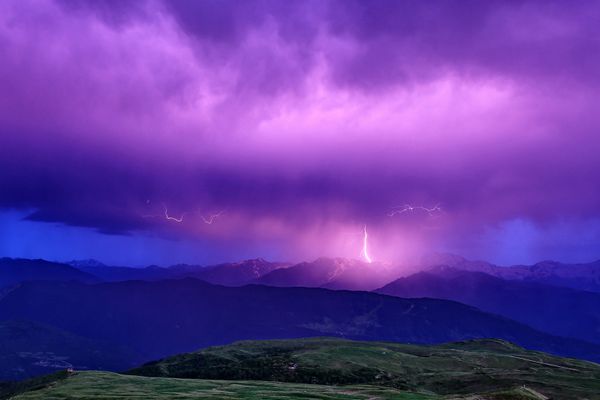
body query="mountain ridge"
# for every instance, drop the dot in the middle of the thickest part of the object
(16, 270)
(331, 273)
(165, 317)
(558, 310)
(582, 276)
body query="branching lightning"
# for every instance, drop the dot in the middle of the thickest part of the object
(410, 208)
(211, 218)
(165, 215)
(169, 218)
(365, 250)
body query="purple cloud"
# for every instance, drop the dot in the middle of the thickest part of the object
(304, 120)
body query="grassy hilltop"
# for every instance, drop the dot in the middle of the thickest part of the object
(325, 368)
(107, 385)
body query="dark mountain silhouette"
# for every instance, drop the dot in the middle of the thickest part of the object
(15, 270)
(229, 274)
(115, 274)
(557, 310)
(576, 276)
(160, 318)
(340, 273)
(332, 273)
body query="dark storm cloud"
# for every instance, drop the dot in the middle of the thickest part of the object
(298, 114)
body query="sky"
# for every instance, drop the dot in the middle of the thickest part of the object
(159, 132)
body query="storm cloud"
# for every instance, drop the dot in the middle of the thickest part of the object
(301, 121)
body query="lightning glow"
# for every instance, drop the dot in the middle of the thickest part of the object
(365, 250)
(410, 208)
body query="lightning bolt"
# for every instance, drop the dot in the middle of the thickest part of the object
(365, 250)
(169, 218)
(165, 215)
(211, 218)
(410, 208)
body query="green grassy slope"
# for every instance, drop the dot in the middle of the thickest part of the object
(106, 385)
(457, 368)
(325, 368)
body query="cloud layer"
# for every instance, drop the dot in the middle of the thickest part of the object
(302, 121)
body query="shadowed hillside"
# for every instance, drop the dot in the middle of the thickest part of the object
(28, 349)
(557, 310)
(156, 319)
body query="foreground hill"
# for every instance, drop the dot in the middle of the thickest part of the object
(453, 368)
(559, 310)
(577, 276)
(15, 270)
(155, 319)
(106, 385)
(327, 368)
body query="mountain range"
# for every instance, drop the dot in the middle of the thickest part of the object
(155, 319)
(332, 273)
(558, 310)
(581, 276)
(145, 313)
(230, 274)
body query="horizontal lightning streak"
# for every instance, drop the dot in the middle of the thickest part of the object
(209, 220)
(410, 208)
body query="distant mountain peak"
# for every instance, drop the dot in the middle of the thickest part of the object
(258, 260)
